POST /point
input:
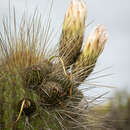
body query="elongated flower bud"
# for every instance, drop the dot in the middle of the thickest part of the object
(93, 47)
(73, 31)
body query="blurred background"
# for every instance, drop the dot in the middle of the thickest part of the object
(115, 14)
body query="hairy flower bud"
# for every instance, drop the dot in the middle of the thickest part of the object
(93, 47)
(73, 31)
(95, 42)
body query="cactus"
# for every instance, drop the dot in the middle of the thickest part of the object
(36, 92)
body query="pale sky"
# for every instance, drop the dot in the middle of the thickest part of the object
(115, 14)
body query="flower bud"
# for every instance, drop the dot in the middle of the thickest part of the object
(73, 31)
(93, 47)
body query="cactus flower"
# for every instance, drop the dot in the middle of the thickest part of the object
(73, 31)
(92, 49)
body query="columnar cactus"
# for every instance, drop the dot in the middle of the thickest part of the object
(37, 93)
